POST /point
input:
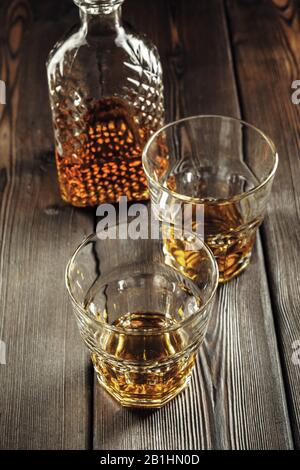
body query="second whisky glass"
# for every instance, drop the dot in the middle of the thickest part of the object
(223, 164)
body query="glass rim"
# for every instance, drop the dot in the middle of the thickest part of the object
(142, 331)
(198, 200)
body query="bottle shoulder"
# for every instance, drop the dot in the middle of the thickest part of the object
(69, 44)
(140, 52)
(132, 49)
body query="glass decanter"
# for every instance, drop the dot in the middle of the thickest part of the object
(106, 96)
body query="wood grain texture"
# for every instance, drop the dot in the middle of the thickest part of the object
(236, 399)
(44, 387)
(267, 61)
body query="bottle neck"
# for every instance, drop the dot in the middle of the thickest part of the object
(104, 23)
(100, 16)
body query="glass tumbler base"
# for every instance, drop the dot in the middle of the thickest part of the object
(236, 270)
(128, 401)
(144, 388)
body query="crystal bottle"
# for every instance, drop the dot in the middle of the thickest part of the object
(106, 97)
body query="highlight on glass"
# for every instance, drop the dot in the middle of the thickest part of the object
(222, 163)
(143, 308)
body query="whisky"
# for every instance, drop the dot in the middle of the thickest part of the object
(141, 347)
(106, 96)
(141, 319)
(227, 231)
(230, 238)
(104, 161)
(143, 370)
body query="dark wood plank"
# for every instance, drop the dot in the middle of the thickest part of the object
(44, 388)
(236, 399)
(267, 61)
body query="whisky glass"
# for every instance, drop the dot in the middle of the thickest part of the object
(139, 314)
(222, 164)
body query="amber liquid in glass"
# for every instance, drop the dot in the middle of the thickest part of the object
(229, 238)
(104, 161)
(143, 367)
(225, 231)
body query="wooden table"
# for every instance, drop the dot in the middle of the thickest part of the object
(233, 57)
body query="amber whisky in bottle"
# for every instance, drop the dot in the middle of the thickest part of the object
(106, 96)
